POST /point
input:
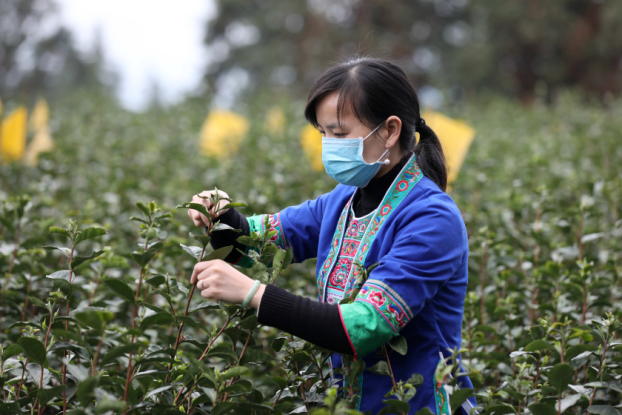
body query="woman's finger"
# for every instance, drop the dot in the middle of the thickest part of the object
(199, 268)
(203, 284)
(206, 294)
(196, 217)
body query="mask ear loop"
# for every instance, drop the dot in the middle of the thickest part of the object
(387, 153)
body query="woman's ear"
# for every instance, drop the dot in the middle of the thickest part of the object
(394, 129)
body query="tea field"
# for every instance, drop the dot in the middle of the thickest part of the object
(96, 252)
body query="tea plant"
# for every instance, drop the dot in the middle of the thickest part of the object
(97, 313)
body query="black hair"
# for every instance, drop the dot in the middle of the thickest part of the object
(375, 89)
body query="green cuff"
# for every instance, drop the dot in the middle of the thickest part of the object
(366, 328)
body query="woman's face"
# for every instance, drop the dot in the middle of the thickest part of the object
(350, 127)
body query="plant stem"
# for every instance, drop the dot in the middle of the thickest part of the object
(16, 243)
(26, 301)
(302, 389)
(96, 358)
(218, 335)
(128, 377)
(19, 389)
(181, 326)
(580, 237)
(386, 354)
(319, 369)
(240, 358)
(207, 350)
(535, 398)
(64, 367)
(99, 277)
(482, 285)
(600, 368)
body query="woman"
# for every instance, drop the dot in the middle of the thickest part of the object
(389, 208)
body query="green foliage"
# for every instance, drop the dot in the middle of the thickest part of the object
(539, 192)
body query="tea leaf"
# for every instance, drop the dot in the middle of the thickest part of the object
(89, 233)
(218, 254)
(603, 410)
(18, 324)
(380, 368)
(394, 404)
(46, 395)
(60, 231)
(64, 286)
(121, 289)
(157, 319)
(106, 405)
(86, 390)
(224, 227)
(64, 274)
(205, 305)
(560, 376)
(235, 372)
(156, 280)
(118, 351)
(78, 350)
(234, 205)
(11, 351)
(398, 343)
(33, 349)
(542, 409)
(193, 251)
(538, 345)
(458, 397)
(78, 260)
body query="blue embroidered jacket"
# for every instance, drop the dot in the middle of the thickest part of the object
(419, 240)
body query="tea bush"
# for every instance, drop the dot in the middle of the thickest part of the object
(98, 314)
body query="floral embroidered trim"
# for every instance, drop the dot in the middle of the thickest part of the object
(402, 185)
(335, 246)
(441, 398)
(256, 224)
(390, 305)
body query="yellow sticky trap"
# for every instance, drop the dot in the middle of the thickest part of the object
(275, 121)
(455, 136)
(42, 141)
(222, 132)
(13, 135)
(40, 116)
(311, 141)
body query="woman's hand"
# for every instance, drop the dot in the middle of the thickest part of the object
(218, 280)
(200, 219)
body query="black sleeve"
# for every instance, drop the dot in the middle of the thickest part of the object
(317, 323)
(221, 239)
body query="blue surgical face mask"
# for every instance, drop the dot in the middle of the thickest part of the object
(344, 162)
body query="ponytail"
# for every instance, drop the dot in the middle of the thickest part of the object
(430, 157)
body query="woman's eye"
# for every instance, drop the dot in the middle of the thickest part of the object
(338, 135)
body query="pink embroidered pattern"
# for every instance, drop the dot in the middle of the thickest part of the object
(386, 301)
(322, 278)
(338, 277)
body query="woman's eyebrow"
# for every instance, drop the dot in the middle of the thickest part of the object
(333, 125)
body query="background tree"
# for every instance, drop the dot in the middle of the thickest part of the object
(37, 55)
(519, 48)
